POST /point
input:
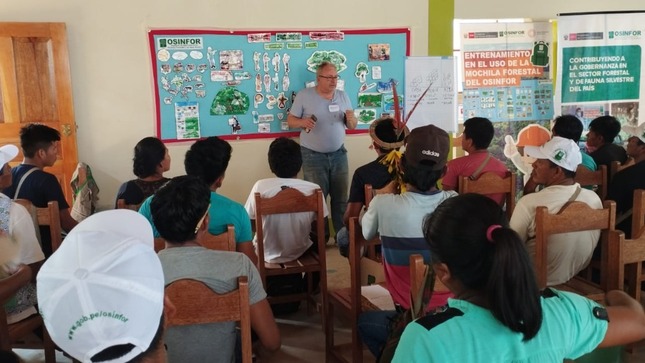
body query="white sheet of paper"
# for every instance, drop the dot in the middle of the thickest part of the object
(379, 296)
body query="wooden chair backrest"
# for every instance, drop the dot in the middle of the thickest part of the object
(370, 192)
(417, 272)
(48, 216)
(597, 179)
(628, 251)
(616, 166)
(196, 303)
(574, 217)
(356, 243)
(491, 183)
(389, 188)
(120, 204)
(638, 213)
(224, 241)
(289, 200)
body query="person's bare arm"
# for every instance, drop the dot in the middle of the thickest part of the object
(350, 120)
(626, 320)
(264, 325)
(66, 220)
(297, 122)
(247, 249)
(353, 210)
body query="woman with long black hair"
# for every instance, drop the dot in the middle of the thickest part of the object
(498, 313)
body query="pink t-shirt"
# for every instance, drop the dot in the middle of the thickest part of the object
(467, 165)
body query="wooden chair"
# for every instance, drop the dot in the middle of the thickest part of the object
(11, 334)
(638, 213)
(120, 204)
(348, 301)
(597, 179)
(629, 253)
(223, 242)
(370, 193)
(48, 216)
(196, 303)
(491, 183)
(616, 166)
(291, 200)
(417, 272)
(634, 272)
(577, 216)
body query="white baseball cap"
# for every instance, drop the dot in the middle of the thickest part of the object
(103, 287)
(7, 153)
(562, 152)
(637, 131)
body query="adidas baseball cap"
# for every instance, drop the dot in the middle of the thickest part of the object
(427, 143)
(103, 287)
(562, 152)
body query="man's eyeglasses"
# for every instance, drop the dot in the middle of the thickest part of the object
(330, 77)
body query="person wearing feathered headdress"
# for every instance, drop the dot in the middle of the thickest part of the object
(383, 172)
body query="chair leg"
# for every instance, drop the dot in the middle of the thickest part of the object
(329, 334)
(49, 347)
(357, 344)
(310, 295)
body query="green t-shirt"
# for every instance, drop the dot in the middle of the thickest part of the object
(468, 333)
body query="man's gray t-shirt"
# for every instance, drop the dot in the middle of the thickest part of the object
(329, 133)
(219, 270)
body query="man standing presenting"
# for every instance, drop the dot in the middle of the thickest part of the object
(322, 113)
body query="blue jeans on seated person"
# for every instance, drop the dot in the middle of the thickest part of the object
(342, 240)
(331, 172)
(374, 328)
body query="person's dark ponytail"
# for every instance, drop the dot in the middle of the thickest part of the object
(513, 294)
(470, 234)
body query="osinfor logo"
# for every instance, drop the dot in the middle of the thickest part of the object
(624, 34)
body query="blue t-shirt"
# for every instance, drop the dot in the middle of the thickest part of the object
(223, 211)
(469, 333)
(329, 133)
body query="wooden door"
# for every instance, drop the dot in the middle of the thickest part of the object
(35, 86)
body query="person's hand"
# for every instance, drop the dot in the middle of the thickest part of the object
(307, 123)
(510, 147)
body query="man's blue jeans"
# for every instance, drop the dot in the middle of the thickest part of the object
(374, 328)
(330, 172)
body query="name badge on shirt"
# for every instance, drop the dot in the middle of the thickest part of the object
(334, 108)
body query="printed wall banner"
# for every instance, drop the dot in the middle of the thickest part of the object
(507, 71)
(600, 63)
(235, 84)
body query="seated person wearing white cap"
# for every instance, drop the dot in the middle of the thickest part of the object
(18, 242)
(101, 294)
(180, 213)
(555, 168)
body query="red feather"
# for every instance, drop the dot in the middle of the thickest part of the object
(397, 107)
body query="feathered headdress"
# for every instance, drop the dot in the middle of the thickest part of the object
(393, 159)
